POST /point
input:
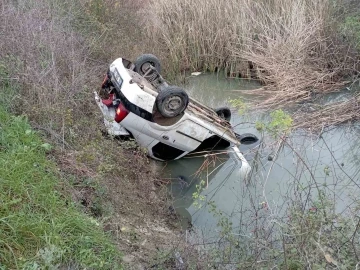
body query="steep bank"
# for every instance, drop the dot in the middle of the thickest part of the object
(40, 225)
(53, 55)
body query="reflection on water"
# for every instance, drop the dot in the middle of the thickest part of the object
(330, 161)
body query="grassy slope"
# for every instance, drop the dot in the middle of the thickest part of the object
(113, 182)
(39, 227)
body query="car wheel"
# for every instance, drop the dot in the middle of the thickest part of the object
(171, 101)
(224, 113)
(247, 138)
(143, 63)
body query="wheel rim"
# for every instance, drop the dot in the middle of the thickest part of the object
(145, 67)
(173, 104)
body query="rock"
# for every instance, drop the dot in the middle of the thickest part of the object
(139, 267)
(179, 261)
(153, 196)
(195, 73)
(128, 258)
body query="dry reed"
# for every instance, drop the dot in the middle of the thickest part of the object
(296, 51)
(332, 115)
(291, 46)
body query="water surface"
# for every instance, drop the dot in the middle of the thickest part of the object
(330, 162)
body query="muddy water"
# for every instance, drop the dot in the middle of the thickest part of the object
(330, 162)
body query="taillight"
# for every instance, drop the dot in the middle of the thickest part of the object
(120, 113)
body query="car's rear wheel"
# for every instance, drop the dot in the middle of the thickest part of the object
(224, 113)
(171, 101)
(247, 138)
(146, 61)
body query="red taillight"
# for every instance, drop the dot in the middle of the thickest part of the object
(120, 113)
(108, 102)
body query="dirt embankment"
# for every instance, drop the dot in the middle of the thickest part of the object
(127, 198)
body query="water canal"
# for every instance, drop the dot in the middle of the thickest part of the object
(302, 166)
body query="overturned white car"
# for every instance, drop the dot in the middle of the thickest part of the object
(160, 117)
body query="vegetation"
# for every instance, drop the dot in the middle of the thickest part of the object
(332, 115)
(52, 57)
(297, 49)
(41, 228)
(312, 238)
(351, 29)
(57, 52)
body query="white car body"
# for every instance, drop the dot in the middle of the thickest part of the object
(159, 136)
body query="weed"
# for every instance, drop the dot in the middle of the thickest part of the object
(197, 197)
(8, 86)
(240, 105)
(280, 123)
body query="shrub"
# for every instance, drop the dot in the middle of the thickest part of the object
(57, 52)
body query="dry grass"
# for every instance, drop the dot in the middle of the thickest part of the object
(291, 46)
(331, 115)
(49, 59)
(57, 52)
(296, 51)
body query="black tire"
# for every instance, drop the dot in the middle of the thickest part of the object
(143, 61)
(224, 113)
(171, 101)
(247, 138)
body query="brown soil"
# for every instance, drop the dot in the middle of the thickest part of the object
(141, 224)
(133, 207)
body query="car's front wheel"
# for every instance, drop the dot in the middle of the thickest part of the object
(171, 101)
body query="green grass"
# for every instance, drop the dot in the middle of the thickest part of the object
(351, 29)
(40, 228)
